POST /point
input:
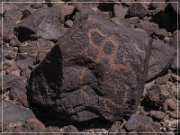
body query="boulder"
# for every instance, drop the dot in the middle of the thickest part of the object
(137, 9)
(13, 113)
(160, 60)
(135, 121)
(96, 70)
(45, 23)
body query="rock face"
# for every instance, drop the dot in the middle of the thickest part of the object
(96, 70)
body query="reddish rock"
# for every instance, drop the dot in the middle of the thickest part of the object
(157, 115)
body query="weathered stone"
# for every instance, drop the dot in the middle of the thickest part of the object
(154, 97)
(173, 42)
(136, 9)
(119, 11)
(43, 23)
(171, 104)
(136, 120)
(160, 59)
(116, 127)
(174, 114)
(69, 129)
(10, 67)
(30, 125)
(13, 113)
(152, 29)
(94, 58)
(13, 15)
(150, 128)
(157, 115)
(17, 89)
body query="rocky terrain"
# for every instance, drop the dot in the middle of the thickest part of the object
(109, 67)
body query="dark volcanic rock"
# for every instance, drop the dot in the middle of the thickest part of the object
(160, 60)
(17, 88)
(154, 97)
(96, 70)
(44, 23)
(13, 113)
(175, 6)
(137, 9)
(136, 121)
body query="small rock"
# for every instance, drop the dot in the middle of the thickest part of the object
(174, 114)
(150, 128)
(69, 128)
(30, 125)
(14, 42)
(133, 20)
(152, 29)
(116, 127)
(153, 97)
(160, 59)
(157, 115)
(11, 53)
(162, 80)
(25, 14)
(11, 68)
(37, 5)
(119, 11)
(171, 104)
(68, 24)
(13, 113)
(175, 36)
(13, 15)
(166, 39)
(175, 66)
(136, 120)
(136, 9)
(17, 90)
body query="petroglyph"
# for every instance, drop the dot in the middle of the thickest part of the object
(107, 49)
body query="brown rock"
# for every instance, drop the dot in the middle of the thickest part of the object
(147, 128)
(157, 115)
(171, 104)
(69, 128)
(137, 9)
(30, 125)
(95, 58)
(116, 127)
(153, 97)
(174, 114)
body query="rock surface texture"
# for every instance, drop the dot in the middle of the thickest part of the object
(96, 70)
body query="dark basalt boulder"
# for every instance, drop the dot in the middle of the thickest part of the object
(160, 60)
(96, 70)
(45, 23)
